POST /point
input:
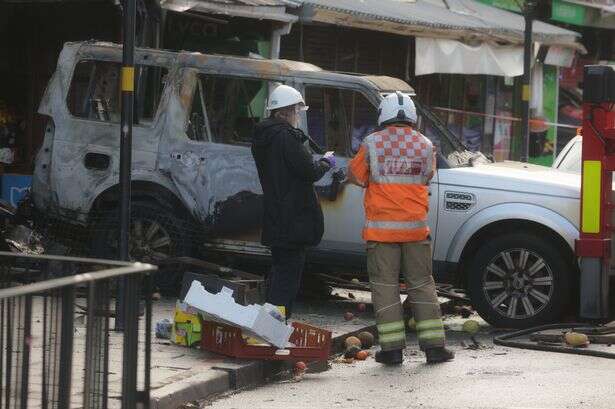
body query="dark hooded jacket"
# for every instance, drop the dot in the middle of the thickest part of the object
(287, 172)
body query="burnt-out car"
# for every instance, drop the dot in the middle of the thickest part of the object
(195, 185)
(506, 231)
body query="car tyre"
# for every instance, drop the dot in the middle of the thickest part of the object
(519, 280)
(157, 233)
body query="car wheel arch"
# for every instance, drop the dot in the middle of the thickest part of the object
(507, 218)
(140, 190)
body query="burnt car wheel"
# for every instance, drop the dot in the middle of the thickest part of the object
(520, 280)
(156, 233)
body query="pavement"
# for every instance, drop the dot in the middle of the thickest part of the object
(489, 378)
(180, 374)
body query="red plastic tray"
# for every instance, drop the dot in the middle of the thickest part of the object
(312, 343)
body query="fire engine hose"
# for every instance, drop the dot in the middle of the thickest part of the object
(507, 341)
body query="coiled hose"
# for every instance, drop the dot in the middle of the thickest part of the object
(506, 340)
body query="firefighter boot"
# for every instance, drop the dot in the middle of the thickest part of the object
(392, 357)
(438, 355)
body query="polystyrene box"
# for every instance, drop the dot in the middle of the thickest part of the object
(253, 319)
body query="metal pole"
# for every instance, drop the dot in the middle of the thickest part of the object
(128, 314)
(128, 86)
(527, 76)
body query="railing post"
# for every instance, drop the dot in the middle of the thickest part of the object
(148, 341)
(66, 347)
(131, 340)
(25, 357)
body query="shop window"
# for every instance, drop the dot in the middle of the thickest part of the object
(233, 106)
(337, 117)
(95, 91)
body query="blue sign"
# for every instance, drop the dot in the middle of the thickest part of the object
(15, 187)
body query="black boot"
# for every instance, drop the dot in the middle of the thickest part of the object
(394, 357)
(438, 355)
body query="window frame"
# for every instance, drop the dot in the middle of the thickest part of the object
(210, 137)
(303, 83)
(149, 125)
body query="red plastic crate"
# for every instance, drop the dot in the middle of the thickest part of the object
(312, 343)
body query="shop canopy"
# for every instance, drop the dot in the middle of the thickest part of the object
(275, 10)
(464, 20)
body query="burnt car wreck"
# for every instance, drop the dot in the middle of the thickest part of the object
(194, 182)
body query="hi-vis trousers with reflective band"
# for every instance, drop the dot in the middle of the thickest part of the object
(413, 259)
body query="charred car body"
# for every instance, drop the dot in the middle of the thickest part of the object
(505, 230)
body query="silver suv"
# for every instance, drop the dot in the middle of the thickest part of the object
(505, 231)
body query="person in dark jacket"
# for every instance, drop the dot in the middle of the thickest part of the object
(293, 218)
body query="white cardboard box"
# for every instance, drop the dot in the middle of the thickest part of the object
(254, 319)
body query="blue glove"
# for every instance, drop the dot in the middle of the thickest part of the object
(329, 159)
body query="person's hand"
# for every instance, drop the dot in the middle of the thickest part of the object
(329, 159)
(339, 176)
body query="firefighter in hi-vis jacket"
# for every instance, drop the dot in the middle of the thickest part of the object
(395, 165)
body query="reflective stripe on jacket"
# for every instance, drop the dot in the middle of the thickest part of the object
(395, 165)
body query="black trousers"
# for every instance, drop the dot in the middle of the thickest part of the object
(284, 280)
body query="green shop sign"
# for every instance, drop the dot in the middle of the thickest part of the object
(568, 12)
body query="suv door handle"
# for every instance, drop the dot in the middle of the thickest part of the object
(97, 161)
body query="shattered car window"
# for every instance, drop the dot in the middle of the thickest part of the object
(233, 106)
(94, 93)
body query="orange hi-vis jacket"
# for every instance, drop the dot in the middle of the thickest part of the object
(394, 165)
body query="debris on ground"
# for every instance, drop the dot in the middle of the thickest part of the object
(362, 355)
(366, 338)
(299, 369)
(471, 327)
(353, 341)
(348, 316)
(261, 321)
(352, 351)
(164, 328)
(576, 339)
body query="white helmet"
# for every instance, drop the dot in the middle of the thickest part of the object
(285, 96)
(396, 107)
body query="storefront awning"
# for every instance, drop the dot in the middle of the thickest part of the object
(454, 57)
(467, 20)
(258, 9)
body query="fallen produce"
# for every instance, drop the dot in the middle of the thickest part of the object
(471, 327)
(352, 351)
(361, 355)
(576, 339)
(509, 340)
(353, 341)
(348, 316)
(366, 338)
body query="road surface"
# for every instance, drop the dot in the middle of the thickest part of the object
(490, 378)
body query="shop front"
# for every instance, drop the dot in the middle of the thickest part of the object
(31, 37)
